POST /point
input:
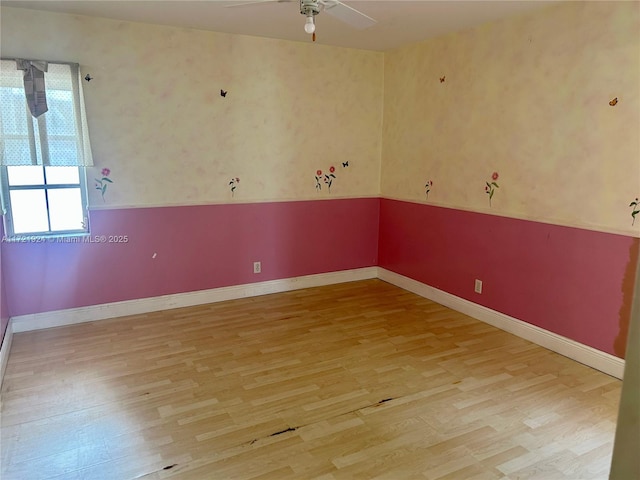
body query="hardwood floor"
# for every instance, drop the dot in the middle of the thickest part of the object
(359, 380)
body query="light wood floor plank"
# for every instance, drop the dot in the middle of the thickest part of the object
(359, 380)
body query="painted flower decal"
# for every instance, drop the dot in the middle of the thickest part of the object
(102, 184)
(635, 205)
(427, 188)
(490, 188)
(327, 178)
(234, 184)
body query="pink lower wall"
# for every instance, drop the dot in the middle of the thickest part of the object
(574, 282)
(197, 248)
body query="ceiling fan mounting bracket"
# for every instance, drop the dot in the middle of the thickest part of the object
(309, 8)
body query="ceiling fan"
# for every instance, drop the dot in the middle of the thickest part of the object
(311, 8)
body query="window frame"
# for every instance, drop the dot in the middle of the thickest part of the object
(6, 190)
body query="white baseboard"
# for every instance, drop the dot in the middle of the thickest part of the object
(592, 357)
(37, 321)
(602, 361)
(4, 350)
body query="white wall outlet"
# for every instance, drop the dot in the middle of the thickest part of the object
(478, 287)
(257, 267)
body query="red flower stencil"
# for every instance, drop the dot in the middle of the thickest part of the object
(102, 184)
(490, 187)
(327, 178)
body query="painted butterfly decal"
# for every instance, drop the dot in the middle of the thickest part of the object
(614, 102)
(345, 164)
(442, 79)
(88, 77)
(223, 93)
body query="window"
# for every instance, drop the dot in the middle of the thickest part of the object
(45, 200)
(42, 158)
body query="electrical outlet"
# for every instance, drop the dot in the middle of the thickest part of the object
(257, 267)
(478, 287)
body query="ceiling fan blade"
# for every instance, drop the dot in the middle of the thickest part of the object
(347, 14)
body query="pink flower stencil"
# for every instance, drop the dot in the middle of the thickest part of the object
(490, 187)
(102, 184)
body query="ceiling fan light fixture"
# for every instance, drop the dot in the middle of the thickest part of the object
(309, 8)
(310, 25)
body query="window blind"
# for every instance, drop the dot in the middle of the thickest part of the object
(58, 137)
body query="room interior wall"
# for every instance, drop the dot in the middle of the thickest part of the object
(572, 282)
(283, 169)
(185, 249)
(158, 121)
(511, 155)
(527, 98)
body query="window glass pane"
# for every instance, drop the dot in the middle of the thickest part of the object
(65, 209)
(29, 210)
(30, 175)
(62, 175)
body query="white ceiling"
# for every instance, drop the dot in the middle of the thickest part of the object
(399, 22)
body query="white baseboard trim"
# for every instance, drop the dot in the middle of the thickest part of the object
(592, 357)
(4, 350)
(37, 321)
(602, 361)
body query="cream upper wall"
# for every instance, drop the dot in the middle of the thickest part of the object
(528, 98)
(157, 119)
